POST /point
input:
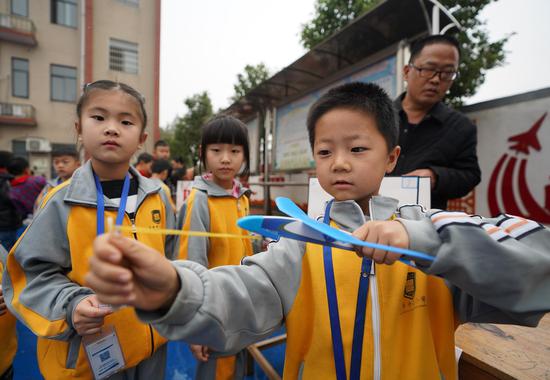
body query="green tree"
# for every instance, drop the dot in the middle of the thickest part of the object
(252, 77)
(187, 129)
(330, 16)
(478, 53)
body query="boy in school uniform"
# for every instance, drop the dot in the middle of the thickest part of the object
(65, 162)
(346, 315)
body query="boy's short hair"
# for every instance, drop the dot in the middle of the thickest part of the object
(178, 175)
(368, 98)
(179, 160)
(160, 143)
(418, 45)
(145, 158)
(71, 152)
(161, 165)
(17, 166)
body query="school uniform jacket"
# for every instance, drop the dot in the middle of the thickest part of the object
(45, 271)
(485, 270)
(8, 338)
(210, 208)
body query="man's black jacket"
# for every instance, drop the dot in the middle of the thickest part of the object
(444, 141)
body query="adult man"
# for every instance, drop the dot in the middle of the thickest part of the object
(161, 150)
(436, 141)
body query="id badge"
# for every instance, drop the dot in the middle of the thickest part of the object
(104, 353)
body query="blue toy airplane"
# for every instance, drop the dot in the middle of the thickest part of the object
(299, 226)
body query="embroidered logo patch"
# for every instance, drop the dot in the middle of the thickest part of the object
(410, 285)
(156, 216)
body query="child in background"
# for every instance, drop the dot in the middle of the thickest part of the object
(160, 172)
(10, 220)
(25, 188)
(215, 203)
(43, 282)
(347, 315)
(161, 150)
(144, 164)
(65, 162)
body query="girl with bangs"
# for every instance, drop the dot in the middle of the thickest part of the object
(217, 200)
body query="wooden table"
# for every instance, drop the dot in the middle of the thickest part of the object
(492, 351)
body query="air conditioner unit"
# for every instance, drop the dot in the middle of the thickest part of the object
(37, 145)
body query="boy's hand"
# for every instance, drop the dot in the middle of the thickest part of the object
(3, 307)
(126, 272)
(88, 316)
(201, 353)
(382, 232)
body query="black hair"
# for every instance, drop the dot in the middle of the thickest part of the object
(5, 158)
(420, 44)
(179, 160)
(71, 152)
(161, 165)
(110, 85)
(17, 166)
(226, 130)
(178, 175)
(144, 157)
(364, 97)
(160, 143)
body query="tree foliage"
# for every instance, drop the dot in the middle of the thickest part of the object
(186, 136)
(478, 53)
(330, 16)
(253, 75)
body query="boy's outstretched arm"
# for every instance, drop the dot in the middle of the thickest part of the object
(226, 308)
(499, 268)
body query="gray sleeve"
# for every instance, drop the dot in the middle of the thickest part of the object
(495, 275)
(45, 294)
(197, 246)
(171, 242)
(230, 307)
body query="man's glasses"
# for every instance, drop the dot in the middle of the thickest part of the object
(444, 75)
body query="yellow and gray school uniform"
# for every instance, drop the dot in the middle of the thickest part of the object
(164, 187)
(45, 271)
(485, 270)
(210, 208)
(50, 184)
(8, 337)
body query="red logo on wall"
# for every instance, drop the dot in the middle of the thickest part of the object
(511, 168)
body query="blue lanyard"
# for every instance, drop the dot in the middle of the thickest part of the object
(360, 310)
(101, 204)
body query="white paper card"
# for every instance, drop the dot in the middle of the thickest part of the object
(104, 353)
(407, 190)
(182, 192)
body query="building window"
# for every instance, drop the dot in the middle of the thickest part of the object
(64, 12)
(123, 56)
(63, 83)
(20, 7)
(20, 77)
(134, 3)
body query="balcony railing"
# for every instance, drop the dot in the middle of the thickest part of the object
(17, 29)
(17, 114)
